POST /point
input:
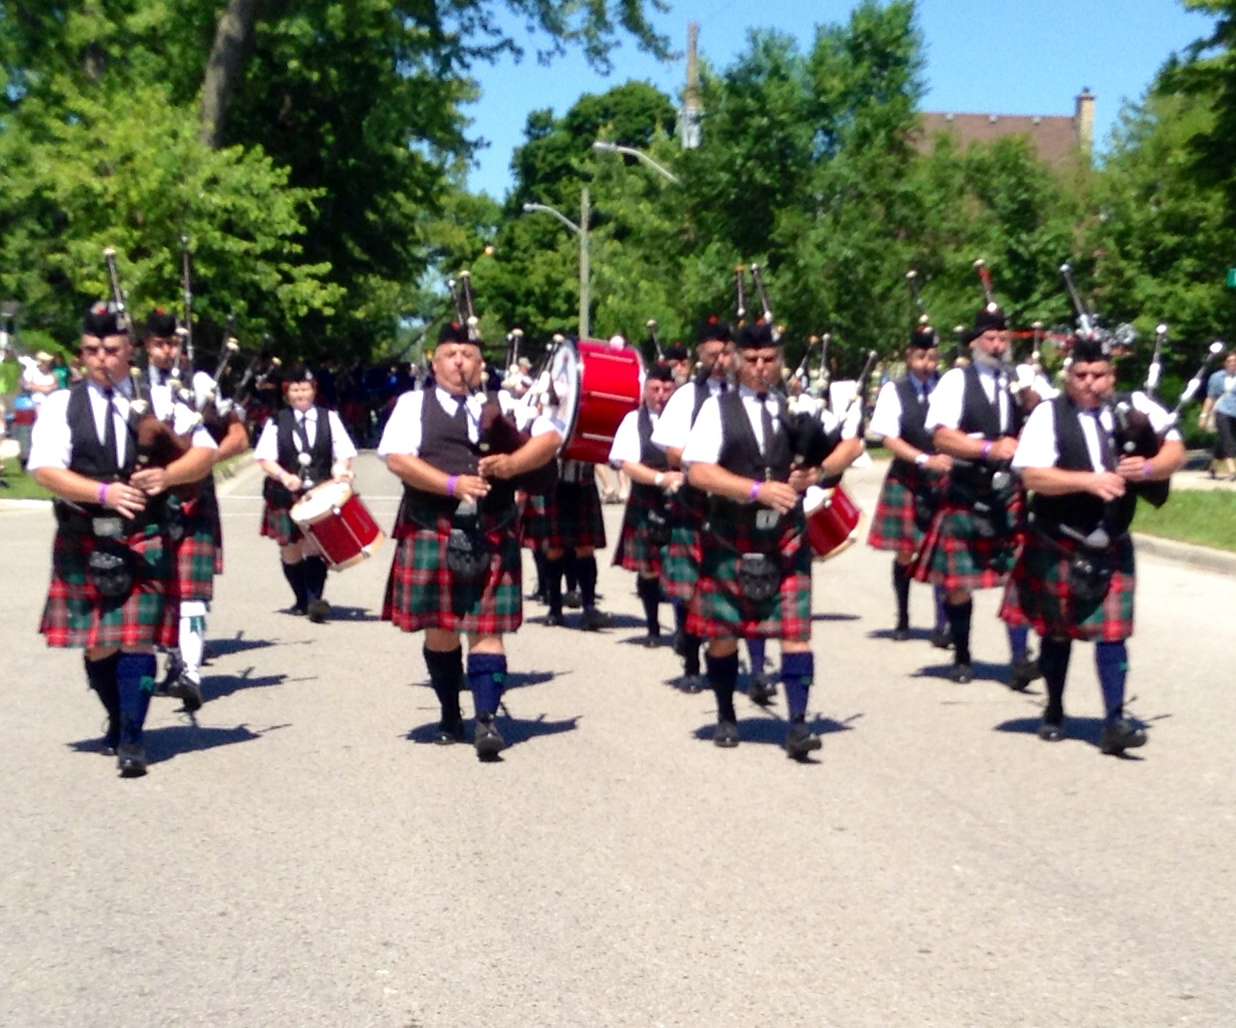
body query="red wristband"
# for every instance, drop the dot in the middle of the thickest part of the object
(754, 494)
(103, 493)
(452, 483)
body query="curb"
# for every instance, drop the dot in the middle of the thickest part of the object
(1204, 558)
(12, 505)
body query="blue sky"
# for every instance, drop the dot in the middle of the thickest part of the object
(1028, 57)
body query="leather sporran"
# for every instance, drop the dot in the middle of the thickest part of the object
(657, 527)
(109, 568)
(1090, 578)
(759, 578)
(468, 554)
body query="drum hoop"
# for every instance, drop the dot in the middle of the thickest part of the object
(570, 418)
(307, 518)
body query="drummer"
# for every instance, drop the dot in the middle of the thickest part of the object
(303, 445)
(456, 568)
(645, 524)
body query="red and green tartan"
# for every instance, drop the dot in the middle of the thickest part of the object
(680, 559)
(894, 526)
(1038, 594)
(277, 524)
(955, 556)
(718, 609)
(422, 592)
(635, 551)
(532, 522)
(573, 518)
(210, 511)
(196, 554)
(75, 615)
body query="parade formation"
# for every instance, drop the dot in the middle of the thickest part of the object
(999, 479)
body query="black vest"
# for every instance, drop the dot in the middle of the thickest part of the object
(978, 414)
(651, 457)
(702, 392)
(89, 456)
(1082, 512)
(445, 445)
(320, 454)
(913, 422)
(740, 453)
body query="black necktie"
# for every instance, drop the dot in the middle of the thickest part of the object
(302, 430)
(1106, 455)
(109, 429)
(766, 423)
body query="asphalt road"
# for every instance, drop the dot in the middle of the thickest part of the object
(301, 855)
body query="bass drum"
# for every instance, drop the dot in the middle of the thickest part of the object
(341, 527)
(833, 520)
(592, 387)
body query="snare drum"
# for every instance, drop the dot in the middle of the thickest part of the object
(341, 527)
(593, 387)
(832, 520)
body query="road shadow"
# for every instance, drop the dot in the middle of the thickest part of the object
(516, 731)
(770, 730)
(983, 672)
(216, 648)
(1076, 729)
(641, 641)
(215, 687)
(830, 616)
(916, 634)
(164, 744)
(352, 614)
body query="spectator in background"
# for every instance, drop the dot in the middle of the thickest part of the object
(39, 378)
(1219, 415)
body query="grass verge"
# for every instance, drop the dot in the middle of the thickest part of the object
(20, 486)
(1205, 518)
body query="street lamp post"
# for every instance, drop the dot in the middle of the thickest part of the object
(581, 230)
(600, 146)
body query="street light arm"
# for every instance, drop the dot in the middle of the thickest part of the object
(601, 146)
(530, 208)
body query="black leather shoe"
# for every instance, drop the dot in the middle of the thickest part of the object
(319, 611)
(487, 739)
(962, 673)
(650, 642)
(941, 638)
(1051, 731)
(901, 633)
(555, 619)
(571, 600)
(1120, 735)
(449, 732)
(761, 690)
(131, 760)
(297, 610)
(693, 683)
(175, 668)
(111, 739)
(596, 619)
(187, 691)
(800, 740)
(1024, 672)
(725, 735)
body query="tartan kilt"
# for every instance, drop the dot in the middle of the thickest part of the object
(718, 608)
(533, 523)
(195, 553)
(573, 517)
(210, 511)
(75, 615)
(277, 524)
(635, 550)
(422, 592)
(681, 558)
(1038, 594)
(953, 555)
(894, 526)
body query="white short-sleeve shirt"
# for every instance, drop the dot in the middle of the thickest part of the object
(674, 425)
(705, 439)
(1038, 448)
(403, 429)
(947, 400)
(342, 447)
(886, 419)
(626, 448)
(51, 442)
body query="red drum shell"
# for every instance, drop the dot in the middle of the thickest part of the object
(832, 523)
(345, 532)
(610, 388)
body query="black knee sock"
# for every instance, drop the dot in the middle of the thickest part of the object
(723, 677)
(315, 577)
(538, 558)
(959, 615)
(101, 674)
(691, 654)
(446, 675)
(680, 616)
(295, 574)
(901, 586)
(649, 590)
(586, 569)
(1054, 663)
(553, 584)
(570, 569)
